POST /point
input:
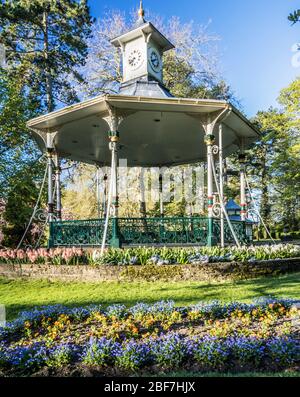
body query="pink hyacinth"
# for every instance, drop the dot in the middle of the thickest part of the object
(33, 256)
(67, 254)
(21, 254)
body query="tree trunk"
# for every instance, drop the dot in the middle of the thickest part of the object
(49, 86)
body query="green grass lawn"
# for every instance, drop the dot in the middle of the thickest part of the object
(20, 295)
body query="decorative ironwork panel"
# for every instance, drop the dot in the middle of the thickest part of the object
(87, 233)
(142, 231)
(239, 228)
(176, 230)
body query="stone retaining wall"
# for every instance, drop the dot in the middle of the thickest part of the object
(195, 272)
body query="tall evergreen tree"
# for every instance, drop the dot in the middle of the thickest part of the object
(45, 42)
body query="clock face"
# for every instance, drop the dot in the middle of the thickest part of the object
(135, 59)
(154, 60)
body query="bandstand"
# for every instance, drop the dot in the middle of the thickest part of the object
(148, 127)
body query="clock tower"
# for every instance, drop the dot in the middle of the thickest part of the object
(142, 51)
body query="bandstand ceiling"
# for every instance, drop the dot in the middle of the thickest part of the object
(153, 131)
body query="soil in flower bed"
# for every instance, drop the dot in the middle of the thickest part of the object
(145, 339)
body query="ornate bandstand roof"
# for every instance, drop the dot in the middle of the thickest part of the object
(153, 131)
(155, 128)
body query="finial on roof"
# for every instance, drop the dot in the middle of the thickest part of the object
(141, 14)
(141, 10)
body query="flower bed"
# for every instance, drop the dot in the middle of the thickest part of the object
(57, 256)
(211, 336)
(143, 256)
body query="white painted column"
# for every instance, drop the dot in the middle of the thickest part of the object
(114, 139)
(58, 187)
(50, 137)
(104, 207)
(161, 202)
(221, 165)
(243, 199)
(209, 140)
(243, 193)
(50, 184)
(98, 192)
(115, 197)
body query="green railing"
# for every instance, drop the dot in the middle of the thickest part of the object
(179, 230)
(239, 228)
(142, 231)
(87, 233)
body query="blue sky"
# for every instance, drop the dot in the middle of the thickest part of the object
(256, 41)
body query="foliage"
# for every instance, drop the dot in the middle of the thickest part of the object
(44, 42)
(193, 344)
(210, 353)
(57, 317)
(294, 17)
(274, 161)
(134, 356)
(28, 358)
(22, 195)
(150, 256)
(101, 352)
(20, 171)
(80, 196)
(170, 350)
(62, 355)
(15, 109)
(161, 256)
